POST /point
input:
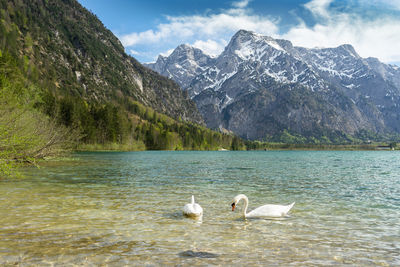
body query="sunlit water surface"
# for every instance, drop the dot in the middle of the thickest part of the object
(126, 209)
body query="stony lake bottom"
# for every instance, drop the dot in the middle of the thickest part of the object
(126, 209)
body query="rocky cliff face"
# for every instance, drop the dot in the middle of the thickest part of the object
(260, 86)
(182, 65)
(76, 54)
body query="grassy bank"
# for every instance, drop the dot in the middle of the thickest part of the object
(136, 146)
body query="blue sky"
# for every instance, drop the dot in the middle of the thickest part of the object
(148, 28)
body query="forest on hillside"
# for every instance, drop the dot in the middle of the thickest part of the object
(41, 117)
(34, 123)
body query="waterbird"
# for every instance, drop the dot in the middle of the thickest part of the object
(269, 210)
(192, 209)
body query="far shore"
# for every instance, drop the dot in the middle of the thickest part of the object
(259, 147)
(327, 147)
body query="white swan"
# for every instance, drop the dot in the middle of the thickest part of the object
(192, 209)
(268, 210)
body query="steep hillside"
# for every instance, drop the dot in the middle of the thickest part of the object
(265, 88)
(65, 81)
(74, 54)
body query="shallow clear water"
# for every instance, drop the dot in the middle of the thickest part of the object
(125, 208)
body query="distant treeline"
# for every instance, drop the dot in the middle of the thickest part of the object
(132, 126)
(259, 145)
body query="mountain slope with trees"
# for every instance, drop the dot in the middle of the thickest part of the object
(74, 54)
(66, 82)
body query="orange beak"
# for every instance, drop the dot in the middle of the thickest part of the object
(233, 206)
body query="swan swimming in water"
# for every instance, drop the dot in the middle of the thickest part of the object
(192, 209)
(269, 210)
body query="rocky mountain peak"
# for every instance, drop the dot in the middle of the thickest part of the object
(348, 48)
(248, 41)
(185, 48)
(343, 51)
(260, 85)
(243, 34)
(187, 52)
(182, 64)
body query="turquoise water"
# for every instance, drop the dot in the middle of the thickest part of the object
(126, 209)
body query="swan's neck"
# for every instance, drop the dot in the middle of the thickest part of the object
(246, 204)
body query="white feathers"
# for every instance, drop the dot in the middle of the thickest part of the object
(269, 210)
(192, 209)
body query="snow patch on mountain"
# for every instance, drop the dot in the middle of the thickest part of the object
(216, 85)
(252, 64)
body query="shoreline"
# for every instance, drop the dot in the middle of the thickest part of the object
(277, 148)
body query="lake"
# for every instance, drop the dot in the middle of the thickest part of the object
(126, 209)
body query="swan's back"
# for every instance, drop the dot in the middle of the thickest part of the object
(192, 209)
(270, 210)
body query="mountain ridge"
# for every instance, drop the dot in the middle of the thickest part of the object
(191, 59)
(298, 87)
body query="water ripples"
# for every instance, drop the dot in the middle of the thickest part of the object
(125, 209)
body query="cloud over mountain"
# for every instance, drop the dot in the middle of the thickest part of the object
(327, 23)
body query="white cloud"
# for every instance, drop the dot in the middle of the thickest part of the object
(134, 52)
(240, 4)
(319, 7)
(377, 37)
(395, 4)
(371, 38)
(167, 53)
(211, 47)
(203, 28)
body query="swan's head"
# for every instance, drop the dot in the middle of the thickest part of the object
(236, 200)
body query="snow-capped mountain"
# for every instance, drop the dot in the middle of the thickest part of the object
(184, 63)
(260, 86)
